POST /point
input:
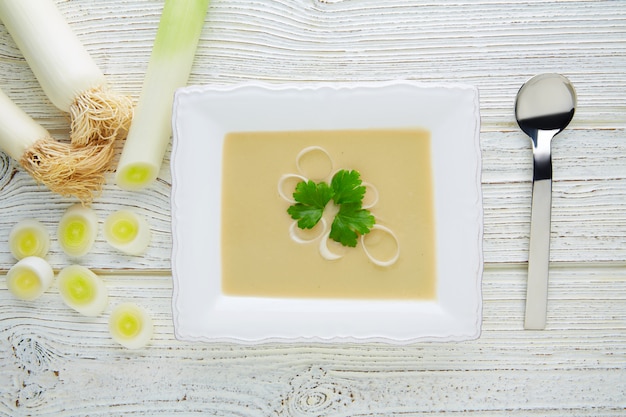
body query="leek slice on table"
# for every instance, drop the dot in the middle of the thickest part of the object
(65, 70)
(131, 326)
(127, 232)
(29, 237)
(82, 290)
(29, 278)
(77, 230)
(168, 69)
(66, 169)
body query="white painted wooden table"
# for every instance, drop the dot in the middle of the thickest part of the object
(54, 362)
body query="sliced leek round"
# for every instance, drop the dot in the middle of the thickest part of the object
(315, 167)
(29, 278)
(391, 237)
(77, 230)
(82, 290)
(281, 186)
(131, 326)
(29, 238)
(127, 232)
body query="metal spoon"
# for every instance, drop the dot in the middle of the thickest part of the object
(544, 106)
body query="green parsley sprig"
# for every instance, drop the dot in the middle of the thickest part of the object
(347, 191)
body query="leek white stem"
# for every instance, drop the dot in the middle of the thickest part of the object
(65, 70)
(18, 131)
(66, 169)
(168, 69)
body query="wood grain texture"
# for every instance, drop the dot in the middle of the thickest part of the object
(54, 362)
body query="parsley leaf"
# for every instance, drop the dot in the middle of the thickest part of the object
(347, 187)
(311, 199)
(350, 221)
(347, 191)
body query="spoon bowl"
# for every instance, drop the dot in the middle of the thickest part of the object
(545, 102)
(545, 105)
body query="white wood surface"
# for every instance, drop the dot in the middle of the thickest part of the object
(54, 362)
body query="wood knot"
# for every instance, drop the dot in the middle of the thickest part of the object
(8, 169)
(31, 355)
(316, 393)
(37, 379)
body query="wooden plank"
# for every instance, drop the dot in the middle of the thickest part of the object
(578, 363)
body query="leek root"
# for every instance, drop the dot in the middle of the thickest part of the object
(65, 168)
(99, 114)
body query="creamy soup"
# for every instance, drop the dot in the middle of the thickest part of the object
(259, 258)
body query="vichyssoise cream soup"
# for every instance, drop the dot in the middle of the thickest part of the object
(259, 256)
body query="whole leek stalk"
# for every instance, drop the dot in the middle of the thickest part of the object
(66, 72)
(66, 168)
(168, 69)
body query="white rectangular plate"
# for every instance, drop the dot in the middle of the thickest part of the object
(203, 115)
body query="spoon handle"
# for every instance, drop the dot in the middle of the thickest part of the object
(539, 252)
